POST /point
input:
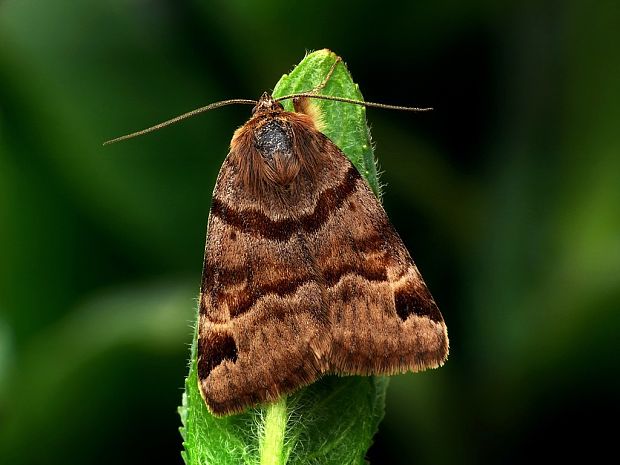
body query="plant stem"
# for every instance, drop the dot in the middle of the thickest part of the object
(272, 441)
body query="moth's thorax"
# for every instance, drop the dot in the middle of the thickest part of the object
(274, 147)
(274, 138)
(272, 133)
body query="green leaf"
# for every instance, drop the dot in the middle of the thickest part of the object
(333, 420)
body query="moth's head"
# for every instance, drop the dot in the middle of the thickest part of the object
(267, 104)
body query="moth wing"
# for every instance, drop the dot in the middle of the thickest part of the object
(384, 319)
(263, 323)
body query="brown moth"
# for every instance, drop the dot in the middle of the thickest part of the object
(303, 273)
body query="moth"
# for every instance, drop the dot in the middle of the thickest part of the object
(303, 273)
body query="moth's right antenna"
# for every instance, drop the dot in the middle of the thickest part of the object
(349, 100)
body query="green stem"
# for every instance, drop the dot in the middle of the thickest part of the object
(272, 441)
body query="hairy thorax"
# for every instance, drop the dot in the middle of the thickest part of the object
(280, 162)
(273, 140)
(278, 154)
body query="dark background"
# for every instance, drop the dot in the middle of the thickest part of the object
(507, 195)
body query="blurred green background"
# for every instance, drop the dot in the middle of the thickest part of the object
(507, 195)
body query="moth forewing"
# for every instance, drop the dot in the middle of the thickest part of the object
(303, 273)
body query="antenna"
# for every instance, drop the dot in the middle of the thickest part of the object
(189, 114)
(355, 102)
(223, 103)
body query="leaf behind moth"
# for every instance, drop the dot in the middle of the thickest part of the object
(333, 420)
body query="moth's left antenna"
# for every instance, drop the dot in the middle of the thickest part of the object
(189, 114)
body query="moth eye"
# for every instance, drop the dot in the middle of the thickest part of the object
(213, 349)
